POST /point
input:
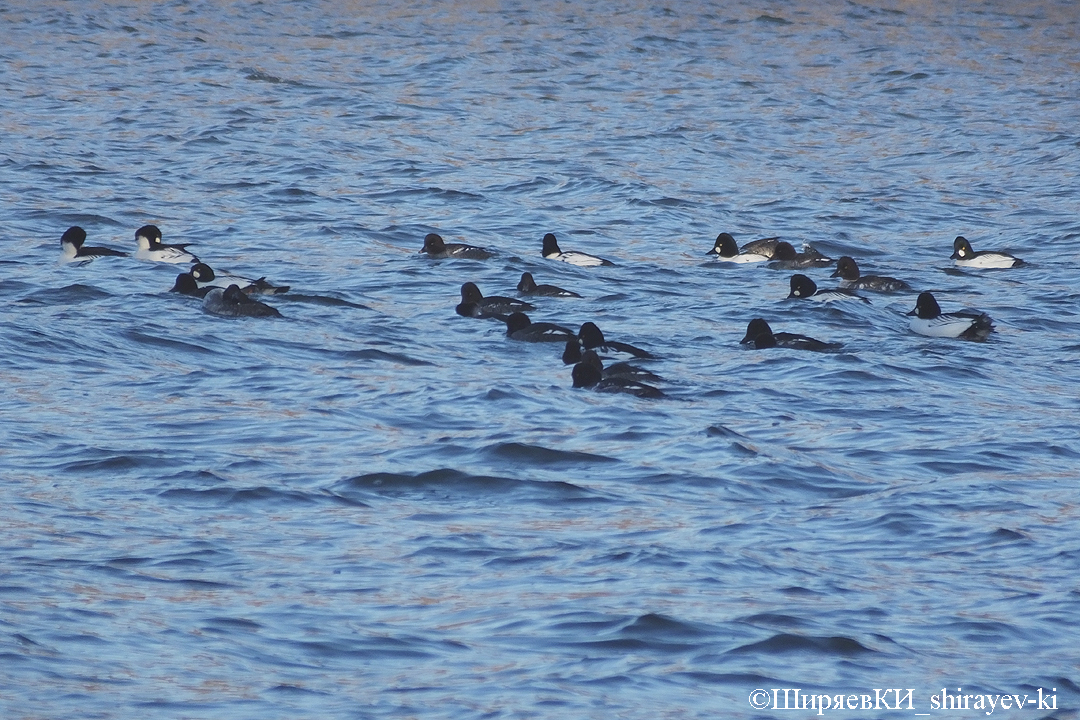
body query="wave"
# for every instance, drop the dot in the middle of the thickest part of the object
(447, 484)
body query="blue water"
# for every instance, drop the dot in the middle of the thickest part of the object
(375, 508)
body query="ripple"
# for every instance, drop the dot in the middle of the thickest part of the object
(67, 295)
(518, 453)
(226, 496)
(164, 342)
(785, 643)
(449, 484)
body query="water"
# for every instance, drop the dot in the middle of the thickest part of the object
(377, 509)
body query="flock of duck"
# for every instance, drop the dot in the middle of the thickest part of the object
(228, 295)
(926, 318)
(587, 349)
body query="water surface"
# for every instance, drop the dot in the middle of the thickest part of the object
(374, 508)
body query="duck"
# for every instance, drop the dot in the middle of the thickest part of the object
(234, 302)
(805, 288)
(527, 286)
(592, 338)
(435, 247)
(474, 304)
(205, 276)
(761, 336)
(520, 327)
(587, 375)
(726, 250)
(186, 285)
(572, 355)
(785, 258)
(848, 272)
(150, 247)
(930, 321)
(551, 251)
(764, 246)
(73, 250)
(966, 257)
